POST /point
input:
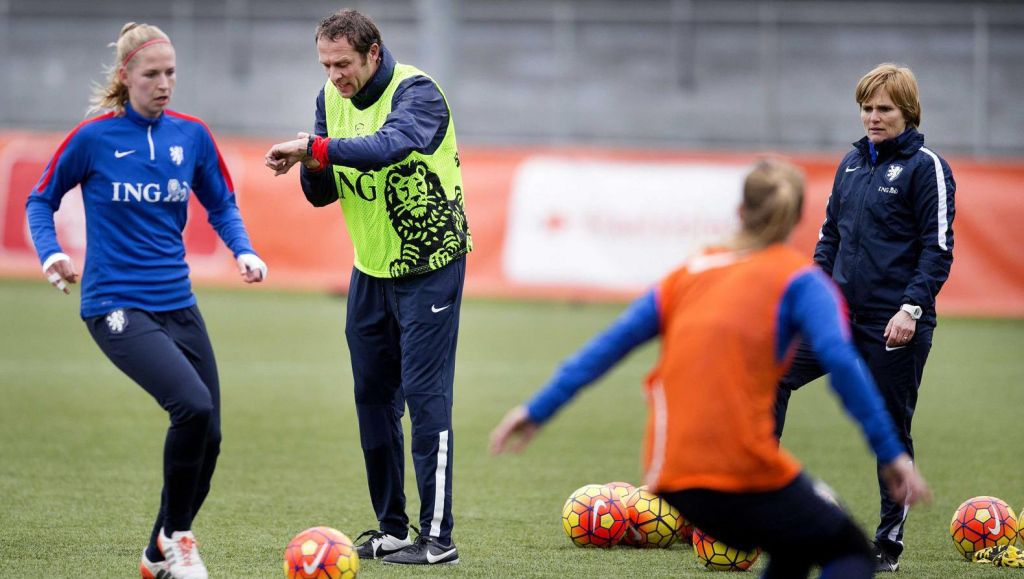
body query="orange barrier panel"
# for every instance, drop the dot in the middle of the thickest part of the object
(307, 247)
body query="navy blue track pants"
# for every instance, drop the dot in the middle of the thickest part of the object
(402, 335)
(898, 375)
(170, 356)
(795, 525)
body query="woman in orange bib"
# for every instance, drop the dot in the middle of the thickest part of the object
(729, 320)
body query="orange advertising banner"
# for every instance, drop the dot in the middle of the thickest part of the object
(565, 223)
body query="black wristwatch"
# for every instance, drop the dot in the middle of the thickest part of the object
(309, 145)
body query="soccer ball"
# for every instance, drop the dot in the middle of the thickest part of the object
(653, 522)
(718, 556)
(685, 532)
(320, 553)
(982, 522)
(593, 516)
(621, 490)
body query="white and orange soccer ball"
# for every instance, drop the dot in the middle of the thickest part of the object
(717, 556)
(982, 522)
(593, 516)
(320, 553)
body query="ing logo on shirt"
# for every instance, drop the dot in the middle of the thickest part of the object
(431, 227)
(177, 192)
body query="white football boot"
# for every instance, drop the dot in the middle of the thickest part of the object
(153, 569)
(182, 554)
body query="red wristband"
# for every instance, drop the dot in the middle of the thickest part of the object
(320, 150)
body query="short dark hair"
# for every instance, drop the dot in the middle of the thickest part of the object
(351, 25)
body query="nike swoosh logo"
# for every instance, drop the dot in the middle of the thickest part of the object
(849, 170)
(435, 558)
(310, 569)
(120, 154)
(893, 348)
(595, 514)
(996, 528)
(436, 309)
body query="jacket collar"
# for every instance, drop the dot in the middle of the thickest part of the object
(904, 145)
(378, 82)
(132, 115)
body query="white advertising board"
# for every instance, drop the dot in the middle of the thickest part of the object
(614, 225)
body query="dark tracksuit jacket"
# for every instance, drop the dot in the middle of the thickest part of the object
(887, 240)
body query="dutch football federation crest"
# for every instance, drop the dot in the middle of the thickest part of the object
(177, 154)
(893, 172)
(117, 321)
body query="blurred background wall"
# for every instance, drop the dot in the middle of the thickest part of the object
(695, 74)
(601, 140)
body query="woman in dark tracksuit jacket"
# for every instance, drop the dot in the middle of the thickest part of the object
(887, 241)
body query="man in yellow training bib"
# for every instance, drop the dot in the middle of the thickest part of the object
(384, 147)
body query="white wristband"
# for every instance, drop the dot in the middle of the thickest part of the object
(252, 262)
(54, 259)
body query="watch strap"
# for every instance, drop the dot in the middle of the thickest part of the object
(914, 311)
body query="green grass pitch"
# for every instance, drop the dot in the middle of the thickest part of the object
(80, 445)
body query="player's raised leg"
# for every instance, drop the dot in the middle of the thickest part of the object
(143, 348)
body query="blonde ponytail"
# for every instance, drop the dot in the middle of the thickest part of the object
(132, 37)
(773, 195)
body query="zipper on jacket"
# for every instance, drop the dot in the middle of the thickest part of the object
(149, 135)
(858, 229)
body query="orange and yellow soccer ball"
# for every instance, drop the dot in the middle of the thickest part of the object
(685, 532)
(593, 516)
(653, 522)
(718, 556)
(320, 553)
(621, 489)
(982, 522)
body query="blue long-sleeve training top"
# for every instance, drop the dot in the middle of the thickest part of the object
(136, 176)
(810, 307)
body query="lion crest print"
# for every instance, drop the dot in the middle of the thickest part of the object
(433, 229)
